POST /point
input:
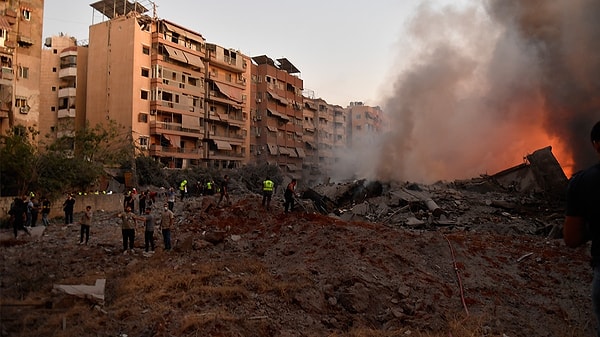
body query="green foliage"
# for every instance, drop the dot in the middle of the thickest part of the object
(67, 164)
(150, 172)
(18, 155)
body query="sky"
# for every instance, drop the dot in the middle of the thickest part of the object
(346, 50)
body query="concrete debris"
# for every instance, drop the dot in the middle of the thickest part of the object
(443, 204)
(95, 292)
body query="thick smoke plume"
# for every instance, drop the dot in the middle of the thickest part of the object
(488, 84)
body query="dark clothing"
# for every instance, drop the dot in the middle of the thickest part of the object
(142, 203)
(289, 197)
(166, 233)
(583, 200)
(68, 208)
(85, 230)
(129, 202)
(149, 240)
(17, 212)
(224, 191)
(128, 237)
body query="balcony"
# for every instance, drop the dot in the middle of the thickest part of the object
(175, 152)
(157, 128)
(67, 72)
(67, 113)
(67, 92)
(7, 73)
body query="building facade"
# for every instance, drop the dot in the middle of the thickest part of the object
(20, 60)
(364, 122)
(63, 83)
(182, 100)
(277, 123)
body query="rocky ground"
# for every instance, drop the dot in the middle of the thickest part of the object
(488, 266)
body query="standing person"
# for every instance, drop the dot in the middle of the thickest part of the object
(129, 222)
(210, 187)
(129, 201)
(289, 193)
(45, 211)
(183, 188)
(268, 185)
(148, 230)
(582, 221)
(68, 208)
(17, 211)
(166, 223)
(85, 222)
(35, 210)
(171, 198)
(224, 191)
(29, 211)
(142, 202)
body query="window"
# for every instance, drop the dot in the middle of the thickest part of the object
(144, 94)
(24, 72)
(54, 51)
(53, 88)
(53, 108)
(143, 117)
(53, 69)
(146, 50)
(144, 141)
(20, 102)
(145, 72)
(26, 14)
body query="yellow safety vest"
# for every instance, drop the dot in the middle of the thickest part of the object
(268, 185)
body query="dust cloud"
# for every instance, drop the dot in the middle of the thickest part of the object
(485, 85)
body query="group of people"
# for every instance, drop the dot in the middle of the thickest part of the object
(129, 222)
(289, 194)
(24, 212)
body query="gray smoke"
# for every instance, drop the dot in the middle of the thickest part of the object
(488, 84)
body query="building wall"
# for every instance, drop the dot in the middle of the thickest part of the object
(20, 95)
(50, 84)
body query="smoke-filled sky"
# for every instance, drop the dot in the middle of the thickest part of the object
(486, 85)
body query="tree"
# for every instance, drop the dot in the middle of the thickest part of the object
(18, 157)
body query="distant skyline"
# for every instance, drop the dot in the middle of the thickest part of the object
(346, 51)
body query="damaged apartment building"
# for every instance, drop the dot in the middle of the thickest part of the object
(181, 100)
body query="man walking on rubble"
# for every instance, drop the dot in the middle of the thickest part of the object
(289, 195)
(268, 185)
(582, 221)
(224, 191)
(17, 212)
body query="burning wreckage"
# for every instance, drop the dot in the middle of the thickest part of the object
(536, 184)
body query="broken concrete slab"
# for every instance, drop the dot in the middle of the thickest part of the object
(95, 292)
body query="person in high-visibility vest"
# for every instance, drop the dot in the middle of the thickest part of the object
(183, 188)
(268, 186)
(210, 187)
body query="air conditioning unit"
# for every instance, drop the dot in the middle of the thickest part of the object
(144, 147)
(258, 100)
(153, 112)
(24, 109)
(258, 118)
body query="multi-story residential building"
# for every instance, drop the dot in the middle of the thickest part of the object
(311, 161)
(63, 82)
(181, 99)
(227, 119)
(20, 57)
(364, 122)
(340, 125)
(277, 126)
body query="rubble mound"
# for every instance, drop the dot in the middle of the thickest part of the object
(389, 261)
